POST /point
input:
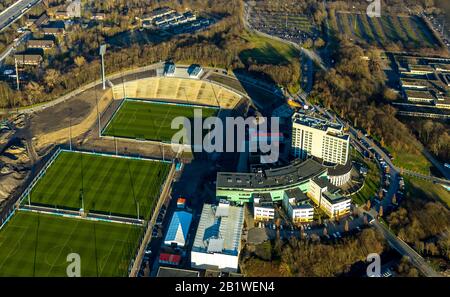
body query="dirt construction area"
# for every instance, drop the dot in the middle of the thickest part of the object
(73, 117)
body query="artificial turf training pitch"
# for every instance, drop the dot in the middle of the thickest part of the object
(150, 120)
(106, 184)
(38, 245)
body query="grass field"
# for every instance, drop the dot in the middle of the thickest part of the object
(107, 184)
(37, 245)
(420, 188)
(371, 181)
(267, 51)
(149, 120)
(412, 161)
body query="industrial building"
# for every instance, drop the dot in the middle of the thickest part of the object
(178, 229)
(319, 138)
(217, 242)
(176, 272)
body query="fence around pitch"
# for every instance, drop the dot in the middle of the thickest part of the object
(30, 186)
(44, 169)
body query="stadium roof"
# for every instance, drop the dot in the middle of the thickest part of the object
(178, 228)
(295, 172)
(219, 231)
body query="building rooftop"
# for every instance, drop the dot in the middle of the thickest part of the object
(194, 70)
(340, 169)
(21, 57)
(158, 12)
(419, 94)
(176, 272)
(263, 200)
(219, 229)
(445, 67)
(40, 42)
(335, 129)
(323, 182)
(293, 173)
(300, 200)
(334, 197)
(414, 81)
(178, 228)
(169, 68)
(416, 67)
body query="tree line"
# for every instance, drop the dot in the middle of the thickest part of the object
(77, 63)
(355, 89)
(310, 257)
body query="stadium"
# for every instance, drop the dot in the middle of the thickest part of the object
(143, 109)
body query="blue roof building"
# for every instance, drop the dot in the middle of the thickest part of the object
(178, 228)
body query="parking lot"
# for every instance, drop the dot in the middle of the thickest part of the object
(293, 27)
(326, 230)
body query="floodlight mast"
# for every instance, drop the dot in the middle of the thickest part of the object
(102, 54)
(17, 75)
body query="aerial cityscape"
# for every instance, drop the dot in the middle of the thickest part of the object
(224, 138)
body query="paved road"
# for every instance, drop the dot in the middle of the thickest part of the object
(14, 12)
(12, 47)
(405, 250)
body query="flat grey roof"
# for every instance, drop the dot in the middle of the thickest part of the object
(176, 272)
(314, 122)
(334, 198)
(340, 169)
(219, 234)
(277, 177)
(324, 182)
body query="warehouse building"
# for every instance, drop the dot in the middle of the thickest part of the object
(178, 229)
(217, 243)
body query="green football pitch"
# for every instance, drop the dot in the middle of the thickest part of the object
(105, 184)
(38, 245)
(149, 120)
